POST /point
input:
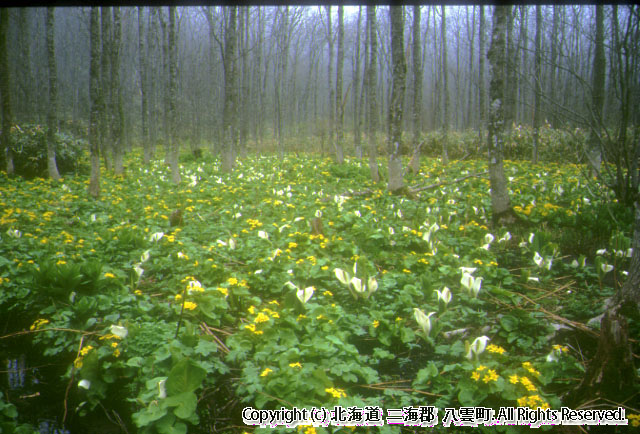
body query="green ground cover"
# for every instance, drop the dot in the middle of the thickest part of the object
(398, 301)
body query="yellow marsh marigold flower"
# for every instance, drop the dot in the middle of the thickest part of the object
(252, 328)
(513, 379)
(109, 275)
(261, 318)
(336, 393)
(232, 281)
(529, 367)
(490, 376)
(189, 305)
(495, 349)
(375, 324)
(266, 372)
(85, 350)
(634, 419)
(475, 375)
(295, 365)
(38, 323)
(223, 290)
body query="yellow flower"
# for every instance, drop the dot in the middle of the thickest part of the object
(109, 275)
(478, 261)
(375, 323)
(295, 365)
(634, 419)
(137, 292)
(38, 323)
(189, 305)
(78, 363)
(252, 310)
(529, 367)
(266, 372)
(232, 281)
(292, 245)
(481, 368)
(490, 376)
(336, 393)
(114, 345)
(328, 293)
(261, 318)
(495, 349)
(116, 353)
(522, 402)
(85, 350)
(513, 379)
(475, 376)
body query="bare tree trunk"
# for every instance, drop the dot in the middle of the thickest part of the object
(372, 93)
(510, 75)
(416, 57)
(230, 97)
(106, 139)
(471, 32)
(445, 86)
(52, 121)
(152, 37)
(96, 103)
(26, 109)
(481, 54)
(597, 93)
(357, 94)
(396, 109)
(339, 96)
(117, 115)
(5, 85)
(172, 114)
(538, 85)
(332, 106)
(501, 206)
(144, 88)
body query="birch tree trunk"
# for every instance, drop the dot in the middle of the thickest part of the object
(95, 101)
(394, 145)
(501, 206)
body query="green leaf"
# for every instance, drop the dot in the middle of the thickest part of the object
(185, 376)
(185, 404)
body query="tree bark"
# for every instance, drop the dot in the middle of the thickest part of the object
(501, 206)
(357, 94)
(332, 105)
(339, 96)
(538, 85)
(481, 91)
(394, 145)
(416, 57)
(52, 121)
(230, 97)
(5, 86)
(594, 153)
(117, 114)
(172, 114)
(445, 86)
(144, 89)
(372, 92)
(106, 140)
(95, 101)
(26, 109)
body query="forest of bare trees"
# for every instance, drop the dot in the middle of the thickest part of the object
(300, 77)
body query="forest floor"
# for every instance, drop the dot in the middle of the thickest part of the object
(280, 286)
